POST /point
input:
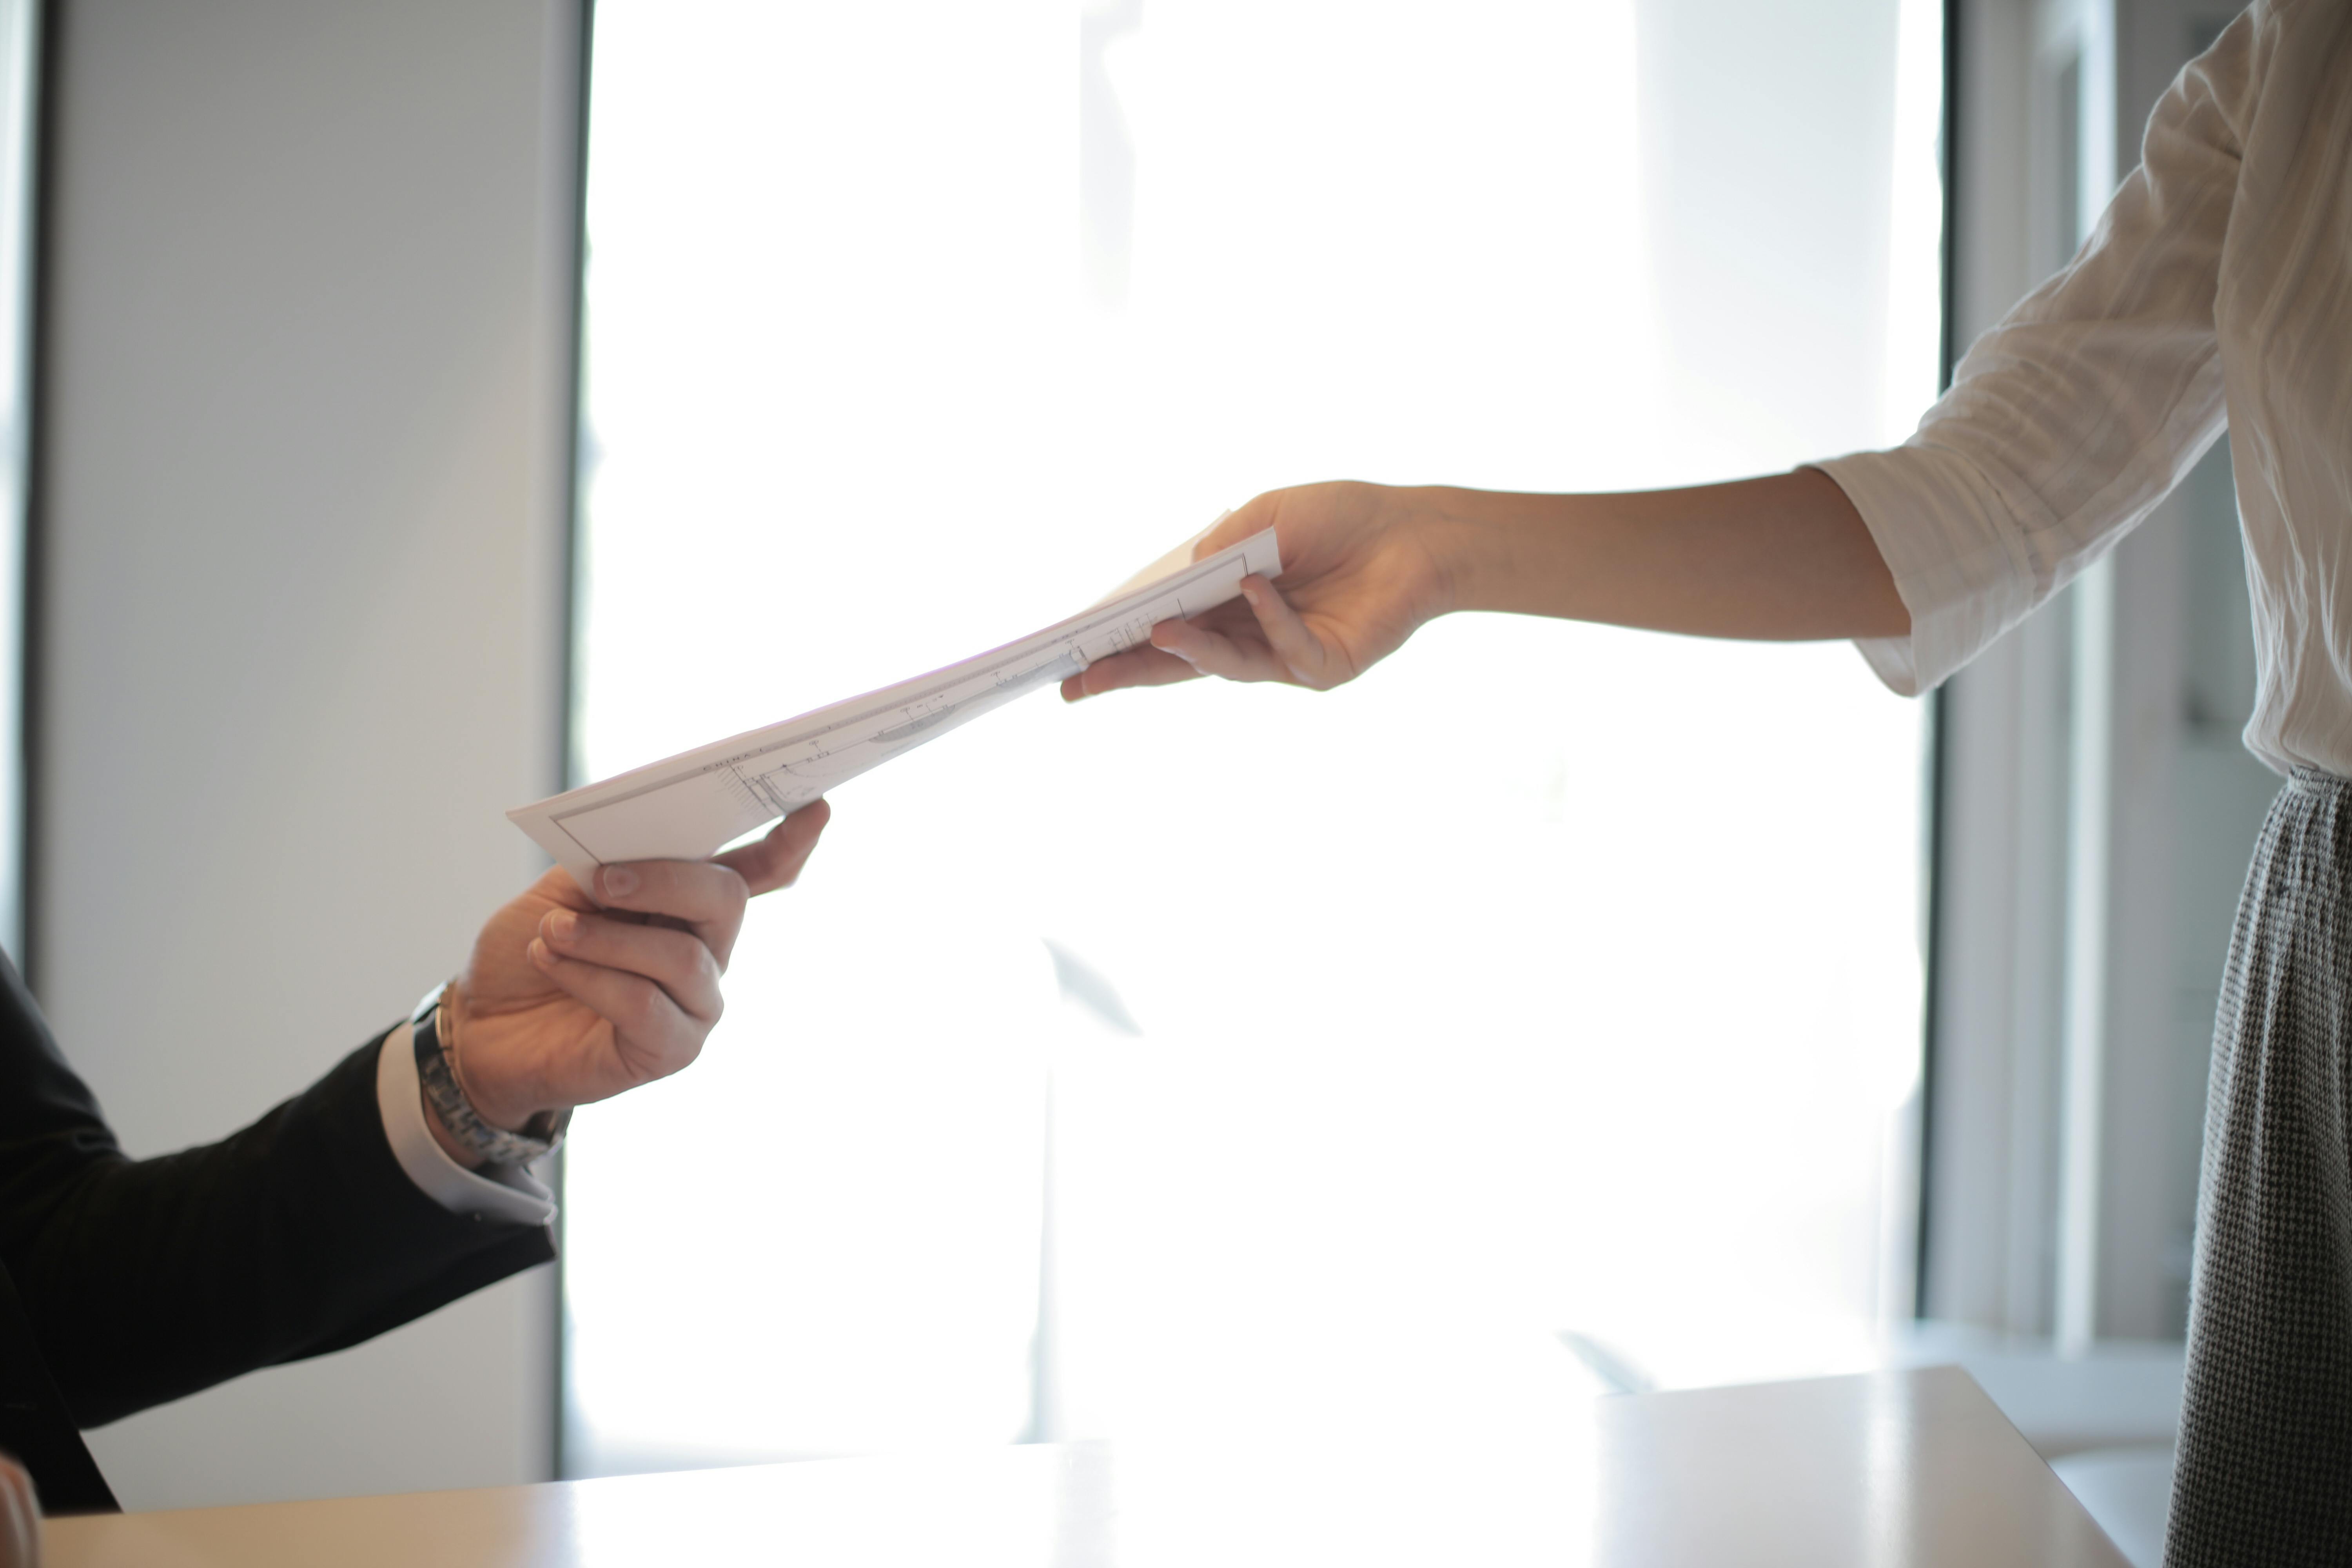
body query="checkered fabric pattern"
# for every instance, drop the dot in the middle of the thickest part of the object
(2265, 1475)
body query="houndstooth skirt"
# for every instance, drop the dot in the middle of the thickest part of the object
(2265, 1474)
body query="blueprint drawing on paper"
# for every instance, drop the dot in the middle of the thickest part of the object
(686, 806)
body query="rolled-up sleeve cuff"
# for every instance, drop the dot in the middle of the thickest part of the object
(507, 1193)
(1956, 552)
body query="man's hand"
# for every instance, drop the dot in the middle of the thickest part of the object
(1359, 574)
(563, 1002)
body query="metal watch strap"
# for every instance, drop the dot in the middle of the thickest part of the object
(438, 1078)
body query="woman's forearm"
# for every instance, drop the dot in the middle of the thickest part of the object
(1784, 559)
(1781, 559)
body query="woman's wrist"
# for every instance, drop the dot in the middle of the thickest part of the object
(1422, 513)
(1473, 540)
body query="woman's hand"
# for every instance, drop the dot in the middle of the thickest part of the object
(1360, 573)
(1785, 557)
(564, 1002)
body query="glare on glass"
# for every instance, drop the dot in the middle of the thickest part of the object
(1553, 986)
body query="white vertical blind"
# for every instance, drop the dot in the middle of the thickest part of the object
(19, 115)
(1553, 978)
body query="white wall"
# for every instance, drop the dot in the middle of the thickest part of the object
(300, 581)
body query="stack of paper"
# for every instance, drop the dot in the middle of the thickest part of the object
(686, 806)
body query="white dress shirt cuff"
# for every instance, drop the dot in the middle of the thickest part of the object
(507, 1193)
(1959, 559)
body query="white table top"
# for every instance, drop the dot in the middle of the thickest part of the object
(1899, 1469)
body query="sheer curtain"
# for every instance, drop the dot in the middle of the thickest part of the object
(1547, 1002)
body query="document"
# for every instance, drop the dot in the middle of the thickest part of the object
(689, 806)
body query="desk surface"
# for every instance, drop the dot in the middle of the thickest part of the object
(1892, 1469)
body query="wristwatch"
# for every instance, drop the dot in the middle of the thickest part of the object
(436, 1074)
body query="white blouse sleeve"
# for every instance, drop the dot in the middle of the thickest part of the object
(2071, 418)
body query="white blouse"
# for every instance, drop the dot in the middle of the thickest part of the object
(2217, 288)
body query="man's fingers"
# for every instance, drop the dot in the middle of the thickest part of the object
(1136, 666)
(1300, 652)
(775, 861)
(654, 1034)
(707, 897)
(704, 897)
(673, 960)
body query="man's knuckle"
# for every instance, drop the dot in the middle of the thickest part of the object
(641, 1000)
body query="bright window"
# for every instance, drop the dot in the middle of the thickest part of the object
(1553, 979)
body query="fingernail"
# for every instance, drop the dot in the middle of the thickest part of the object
(539, 953)
(563, 925)
(619, 881)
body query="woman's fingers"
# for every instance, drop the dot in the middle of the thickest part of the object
(1263, 638)
(1136, 666)
(1304, 659)
(1212, 652)
(652, 1034)
(675, 960)
(776, 860)
(1274, 645)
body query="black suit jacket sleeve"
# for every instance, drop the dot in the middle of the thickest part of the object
(147, 1280)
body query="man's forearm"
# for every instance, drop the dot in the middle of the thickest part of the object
(1781, 558)
(298, 1234)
